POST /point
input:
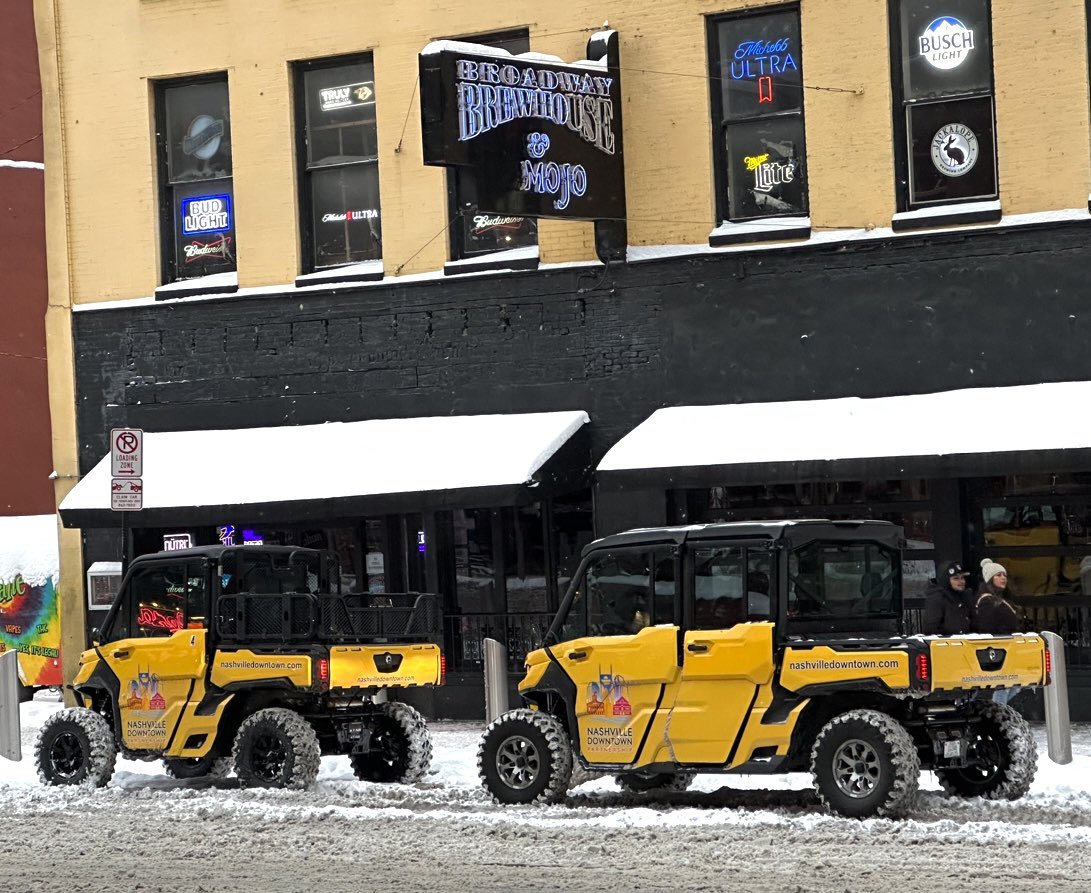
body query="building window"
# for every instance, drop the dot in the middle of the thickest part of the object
(197, 204)
(946, 85)
(476, 232)
(758, 115)
(339, 163)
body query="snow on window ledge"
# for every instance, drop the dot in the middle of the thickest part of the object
(368, 271)
(947, 215)
(773, 229)
(217, 283)
(514, 259)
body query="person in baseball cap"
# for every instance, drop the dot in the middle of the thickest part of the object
(946, 606)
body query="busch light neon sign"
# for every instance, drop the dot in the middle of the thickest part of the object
(946, 42)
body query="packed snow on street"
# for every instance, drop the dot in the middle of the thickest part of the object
(146, 831)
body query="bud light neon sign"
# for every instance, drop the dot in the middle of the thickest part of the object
(206, 214)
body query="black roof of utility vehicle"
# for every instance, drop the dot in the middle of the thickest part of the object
(215, 552)
(792, 532)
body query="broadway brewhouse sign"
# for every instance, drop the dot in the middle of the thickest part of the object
(542, 138)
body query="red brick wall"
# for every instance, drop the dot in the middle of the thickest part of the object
(25, 448)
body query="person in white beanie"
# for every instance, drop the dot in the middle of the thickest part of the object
(994, 614)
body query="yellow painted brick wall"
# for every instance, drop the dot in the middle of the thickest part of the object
(850, 142)
(111, 52)
(1040, 70)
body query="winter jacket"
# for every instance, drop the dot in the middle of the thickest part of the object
(946, 612)
(994, 614)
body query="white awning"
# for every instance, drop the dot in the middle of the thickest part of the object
(1023, 419)
(335, 461)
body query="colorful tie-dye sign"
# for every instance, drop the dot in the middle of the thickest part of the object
(30, 625)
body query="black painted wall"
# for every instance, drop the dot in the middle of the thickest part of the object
(872, 318)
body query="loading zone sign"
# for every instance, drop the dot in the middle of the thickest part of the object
(126, 452)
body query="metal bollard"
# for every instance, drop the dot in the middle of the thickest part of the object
(1058, 727)
(496, 680)
(10, 728)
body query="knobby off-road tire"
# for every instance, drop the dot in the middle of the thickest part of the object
(640, 782)
(864, 763)
(276, 748)
(525, 757)
(75, 746)
(1006, 756)
(210, 766)
(401, 748)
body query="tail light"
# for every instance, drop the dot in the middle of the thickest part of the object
(1049, 666)
(921, 669)
(442, 669)
(324, 672)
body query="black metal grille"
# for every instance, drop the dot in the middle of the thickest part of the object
(292, 617)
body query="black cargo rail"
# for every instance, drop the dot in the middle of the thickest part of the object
(297, 617)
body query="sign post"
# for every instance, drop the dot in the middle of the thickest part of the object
(126, 481)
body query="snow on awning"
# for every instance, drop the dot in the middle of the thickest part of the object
(972, 431)
(338, 468)
(28, 549)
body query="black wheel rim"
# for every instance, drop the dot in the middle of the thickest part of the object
(269, 756)
(389, 749)
(66, 756)
(985, 760)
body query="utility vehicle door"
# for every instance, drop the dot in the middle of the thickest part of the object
(155, 647)
(621, 648)
(727, 653)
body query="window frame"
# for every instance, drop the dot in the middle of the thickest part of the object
(165, 188)
(720, 124)
(901, 106)
(308, 243)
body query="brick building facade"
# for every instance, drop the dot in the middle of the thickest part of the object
(861, 279)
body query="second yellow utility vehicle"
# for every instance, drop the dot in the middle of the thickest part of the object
(759, 648)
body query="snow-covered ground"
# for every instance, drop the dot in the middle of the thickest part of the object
(148, 831)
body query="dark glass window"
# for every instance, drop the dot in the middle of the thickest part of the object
(524, 560)
(839, 579)
(618, 584)
(197, 196)
(758, 65)
(476, 532)
(157, 599)
(474, 231)
(731, 584)
(947, 101)
(340, 163)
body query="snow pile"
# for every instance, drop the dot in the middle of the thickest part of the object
(28, 548)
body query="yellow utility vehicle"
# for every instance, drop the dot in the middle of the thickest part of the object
(760, 648)
(248, 658)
